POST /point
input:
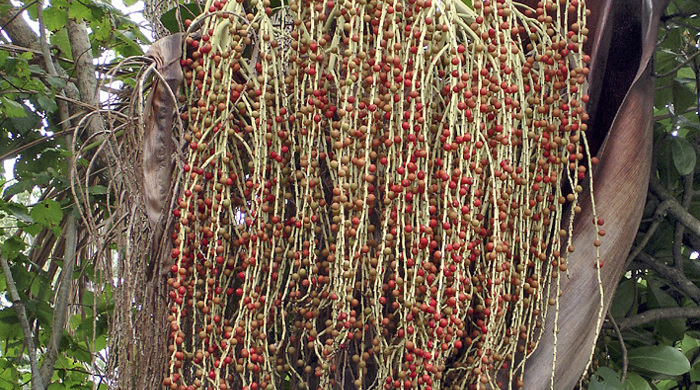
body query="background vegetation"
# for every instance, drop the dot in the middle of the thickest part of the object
(652, 331)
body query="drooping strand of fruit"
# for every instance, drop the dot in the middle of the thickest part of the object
(376, 183)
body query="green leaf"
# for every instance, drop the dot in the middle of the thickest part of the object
(468, 3)
(100, 343)
(60, 39)
(23, 278)
(48, 213)
(688, 344)
(97, 190)
(41, 288)
(17, 188)
(79, 351)
(32, 11)
(695, 373)
(42, 165)
(9, 324)
(672, 328)
(662, 99)
(8, 373)
(684, 157)
(56, 83)
(13, 109)
(32, 229)
(55, 18)
(18, 211)
(686, 124)
(9, 317)
(4, 55)
(42, 311)
(187, 11)
(129, 3)
(683, 95)
(77, 10)
(605, 379)
(624, 299)
(36, 69)
(12, 247)
(636, 382)
(128, 43)
(686, 74)
(101, 28)
(47, 103)
(661, 359)
(24, 124)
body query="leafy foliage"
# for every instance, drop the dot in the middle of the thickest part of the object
(663, 353)
(36, 202)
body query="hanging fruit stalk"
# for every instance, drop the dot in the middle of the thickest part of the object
(375, 193)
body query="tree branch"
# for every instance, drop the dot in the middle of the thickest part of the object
(61, 299)
(22, 35)
(685, 14)
(18, 305)
(691, 241)
(659, 214)
(675, 208)
(679, 280)
(659, 314)
(679, 229)
(48, 60)
(17, 28)
(675, 69)
(73, 99)
(668, 114)
(623, 347)
(14, 48)
(87, 82)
